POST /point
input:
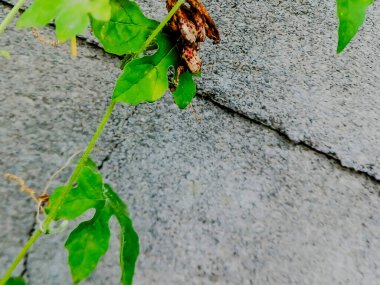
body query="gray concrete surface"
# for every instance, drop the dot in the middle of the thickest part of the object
(225, 200)
(277, 64)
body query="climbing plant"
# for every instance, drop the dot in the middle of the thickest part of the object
(122, 29)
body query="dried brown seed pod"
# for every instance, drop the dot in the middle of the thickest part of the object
(200, 26)
(198, 14)
(192, 59)
(211, 29)
(188, 29)
(193, 24)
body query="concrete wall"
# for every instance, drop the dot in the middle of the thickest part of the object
(273, 178)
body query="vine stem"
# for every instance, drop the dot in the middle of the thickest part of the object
(85, 155)
(73, 46)
(154, 34)
(61, 198)
(11, 15)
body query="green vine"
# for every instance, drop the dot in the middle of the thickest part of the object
(56, 202)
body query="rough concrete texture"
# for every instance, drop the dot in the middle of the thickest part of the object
(229, 202)
(277, 65)
(224, 200)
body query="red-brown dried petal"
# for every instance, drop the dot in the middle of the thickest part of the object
(170, 4)
(211, 29)
(187, 27)
(200, 25)
(192, 59)
(173, 24)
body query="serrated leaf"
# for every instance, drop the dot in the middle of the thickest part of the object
(16, 281)
(129, 248)
(351, 15)
(185, 91)
(146, 79)
(71, 16)
(126, 31)
(87, 194)
(88, 243)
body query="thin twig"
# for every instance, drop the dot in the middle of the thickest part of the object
(21, 183)
(55, 174)
(43, 40)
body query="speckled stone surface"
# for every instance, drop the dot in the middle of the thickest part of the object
(216, 197)
(277, 64)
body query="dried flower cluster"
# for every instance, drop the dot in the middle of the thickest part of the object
(193, 24)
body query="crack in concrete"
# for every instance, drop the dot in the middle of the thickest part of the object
(255, 120)
(24, 272)
(284, 135)
(117, 140)
(8, 4)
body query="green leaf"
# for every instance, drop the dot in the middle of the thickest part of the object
(91, 164)
(71, 21)
(351, 15)
(5, 54)
(40, 13)
(126, 31)
(88, 243)
(16, 281)
(129, 248)
(185, 91)
(146, 78)
(71, 16)
(87, 194)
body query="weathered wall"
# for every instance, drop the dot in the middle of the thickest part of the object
(234, 198)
